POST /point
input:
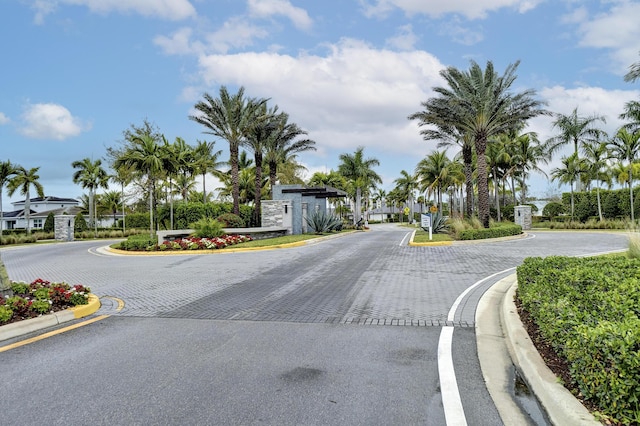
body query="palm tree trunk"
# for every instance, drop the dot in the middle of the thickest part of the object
(483, 186)
(356, 213)
(631, 191)
(123, 214)
(151, 189)
(497, 192)
(572, 201)
(257, 213)
(235, 187)
(467, 158)
(599, 203)
(204, 189)
(27, 211)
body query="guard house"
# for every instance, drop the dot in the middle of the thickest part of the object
(291, 205)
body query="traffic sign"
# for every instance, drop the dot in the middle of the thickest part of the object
(433, 209)
(406, 210)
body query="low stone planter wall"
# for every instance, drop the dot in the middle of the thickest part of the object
(255, 233)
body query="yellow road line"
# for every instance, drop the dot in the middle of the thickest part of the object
(52, 333)
(118, 300)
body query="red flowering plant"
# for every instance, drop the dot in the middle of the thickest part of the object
(38, 298)
(196, 243)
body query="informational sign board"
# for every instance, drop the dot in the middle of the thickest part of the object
(425, 221)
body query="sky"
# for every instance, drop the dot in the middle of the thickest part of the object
(76, 73)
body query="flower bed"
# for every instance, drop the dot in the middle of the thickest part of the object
(194, 243)
(39, 298)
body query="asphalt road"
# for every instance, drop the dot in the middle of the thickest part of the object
(345, 331)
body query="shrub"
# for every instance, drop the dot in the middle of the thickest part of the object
(19, 287)
(139, 242)
(80, 224)
(207, 228)
(320, 222)
(136, 220)
(5, 314)
(497, 232)
(587, 309)
(49, 223)
(553, 209)
(230, 220)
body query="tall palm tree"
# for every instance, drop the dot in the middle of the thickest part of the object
(527, 153)
(625, 146)
(90, 175)
(7, 169)
(23, 181)
(575, 129)
(110, 201)
(284, 145)
(146, 156)
(406, 185)
(359, 172)
(123, 176)
(432, 173)
(480, 104)
(206, 160)
(570, 172)
(183, 185)
(229, 117)
(595, 156)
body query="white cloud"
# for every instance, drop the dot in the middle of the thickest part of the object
(405, 39)
(3, 119)
(461, 33)
(50, 121)
(179, 43)
(354, 95)
(267, 8)
(166, 9)
(616, 30)
(472, 9)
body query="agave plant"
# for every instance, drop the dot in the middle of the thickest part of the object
(321, 222)
(439, 224)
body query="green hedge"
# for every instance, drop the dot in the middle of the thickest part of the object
(588, 310)
(496, 232)
(184, 214)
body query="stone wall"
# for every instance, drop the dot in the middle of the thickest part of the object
(522, 216)
(63, 227)
(272, 213)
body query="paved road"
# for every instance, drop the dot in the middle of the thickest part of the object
(341, 332)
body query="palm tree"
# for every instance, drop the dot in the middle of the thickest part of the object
(206, 161)
(431, 174)
(90, 175)
(575, 129)
(229, 117)
(7, 169)
(526, 154)
(625, 146)
(571, 170)
(110, 201)
(595, 156)
(406, 185)
(634, 72)
(359, 172)
(123, 176)
(23, 181)
(284, 146)
(479, 104)
(144, 155)
(183, 186)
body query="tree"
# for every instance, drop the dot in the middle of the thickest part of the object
(572, 168)
(595, 156)
(23, 181)
(479, 104)
(634, 72)
(228, 117)
(359, 172)
(431, 174)
(406, 185)
(206, 160)
(284, 146)
(110, 201)
(625, 146)
(526, 154)
(123, 176)
(90, 175)
(144, 155)
(7, 170)
(575, 129)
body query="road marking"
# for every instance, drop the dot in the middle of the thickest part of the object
(52, 333)
(451, 402)
(120, 302)
(454, 307)
(402, 243)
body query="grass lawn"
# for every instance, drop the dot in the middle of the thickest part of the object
(422, 236)
(285, 239)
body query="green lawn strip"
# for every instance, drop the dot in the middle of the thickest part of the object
(285, 239)
(422, 236)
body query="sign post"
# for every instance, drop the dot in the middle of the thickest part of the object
(425, 222)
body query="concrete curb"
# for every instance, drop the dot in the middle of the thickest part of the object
(503, 343)
(20, 328)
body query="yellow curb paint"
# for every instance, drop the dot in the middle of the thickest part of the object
(120, 302)
(51, 333)
(435, 243)
(92, 307)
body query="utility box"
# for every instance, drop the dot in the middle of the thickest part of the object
(522, 216)
(63, 227)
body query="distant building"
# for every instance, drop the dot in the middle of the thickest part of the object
(39, 208)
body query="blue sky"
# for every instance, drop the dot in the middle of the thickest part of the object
(76, 73)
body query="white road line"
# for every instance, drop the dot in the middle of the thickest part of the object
(454, 307)
(453, 411)
(402, 243)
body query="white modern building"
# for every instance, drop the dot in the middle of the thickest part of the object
(39, 210)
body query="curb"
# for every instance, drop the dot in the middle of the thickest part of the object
(503, 343)
(20, 328)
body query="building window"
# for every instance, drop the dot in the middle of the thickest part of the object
(11, 224)
(37, 223)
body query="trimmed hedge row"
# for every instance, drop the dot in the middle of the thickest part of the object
(588, 309)
(497, 232)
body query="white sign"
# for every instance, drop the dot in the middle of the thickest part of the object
(425, 221)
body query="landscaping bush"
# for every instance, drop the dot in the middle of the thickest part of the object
(496, 232)
(79, 224)
(139, 242)
(136, 220)
(230, 220)
(49, 223)
(320, 222)
(588, 310)
(553, 209)
(207, 228)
